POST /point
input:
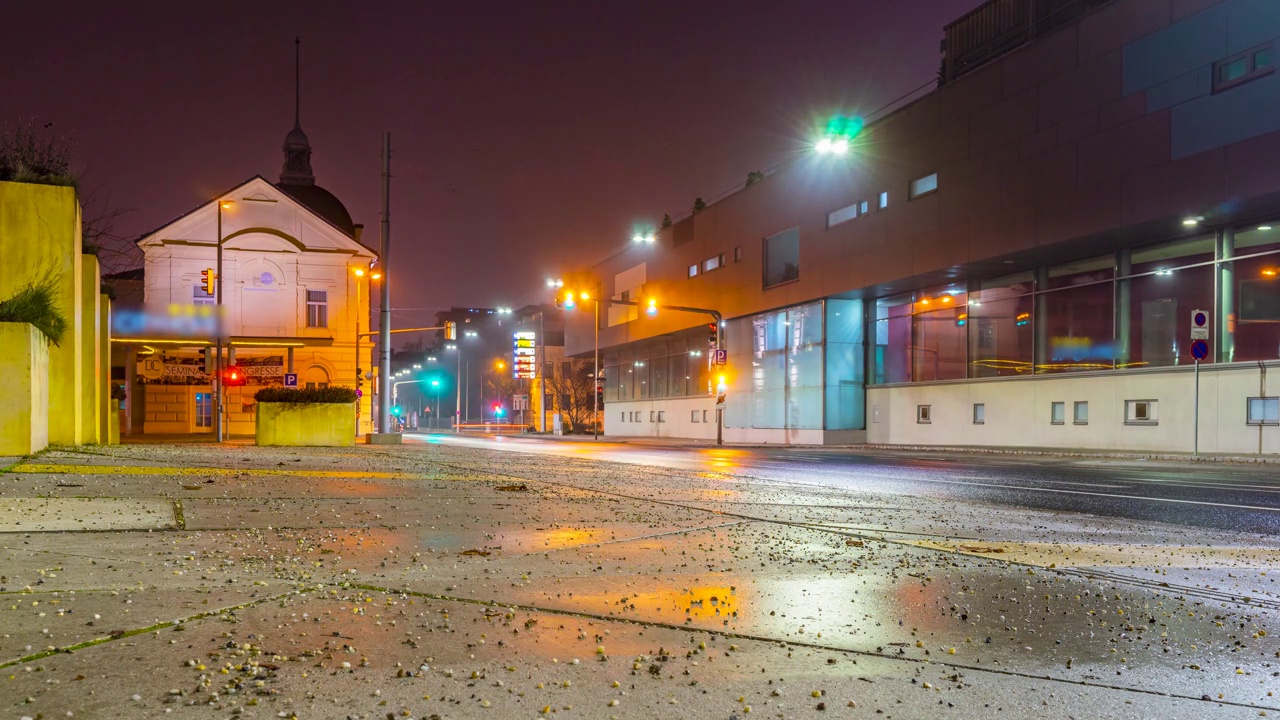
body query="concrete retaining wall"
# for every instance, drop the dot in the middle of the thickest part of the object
(306, 424)
(24, 393)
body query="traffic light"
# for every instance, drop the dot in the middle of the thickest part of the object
(206, 355)
(233, 376)
(395, 410)
(712, 335)
(569, 302)
(652, 310)
(722, 388)
(450, 330)
(359, 378)
(962, 319)
(208, 280)
(498, 410)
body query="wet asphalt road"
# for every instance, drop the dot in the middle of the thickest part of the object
(1214, 495)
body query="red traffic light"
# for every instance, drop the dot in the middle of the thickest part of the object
(233, 376)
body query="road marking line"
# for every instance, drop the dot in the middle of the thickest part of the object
(1111, 495)
(148, 470)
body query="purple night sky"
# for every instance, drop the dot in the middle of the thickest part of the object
(527, 136)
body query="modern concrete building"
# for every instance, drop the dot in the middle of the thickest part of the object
(1014, 258)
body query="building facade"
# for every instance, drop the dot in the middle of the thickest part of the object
(1014, 259)
(296, 283)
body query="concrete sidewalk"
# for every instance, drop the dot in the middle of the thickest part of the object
(432, 581)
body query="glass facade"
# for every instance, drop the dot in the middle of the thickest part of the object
(806, 367)
(1128, 309)
(776, 363)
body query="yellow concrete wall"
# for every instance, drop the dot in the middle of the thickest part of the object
(88, 332)
(306, 424)
(24, 393)
(40, 230)
(106, 417)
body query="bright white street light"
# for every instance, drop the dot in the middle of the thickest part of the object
(832, 146)
(555, 283)
(646, 238)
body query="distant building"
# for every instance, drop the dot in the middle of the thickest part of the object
(1012, 259)
(293, 300)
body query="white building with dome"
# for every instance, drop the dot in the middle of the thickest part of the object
(296, 287)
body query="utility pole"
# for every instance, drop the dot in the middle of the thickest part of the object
(384, 327)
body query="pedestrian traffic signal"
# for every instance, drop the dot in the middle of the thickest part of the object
(208, 278)
(233, 376)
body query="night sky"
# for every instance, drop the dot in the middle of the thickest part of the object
(527, 136)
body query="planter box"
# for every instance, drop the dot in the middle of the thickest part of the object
(309, 424)
(24, 394)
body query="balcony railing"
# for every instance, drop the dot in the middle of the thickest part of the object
(998, 26)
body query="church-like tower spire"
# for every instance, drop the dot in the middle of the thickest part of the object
(297, 148)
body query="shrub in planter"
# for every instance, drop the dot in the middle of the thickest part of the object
(308, 395)
(317, 416)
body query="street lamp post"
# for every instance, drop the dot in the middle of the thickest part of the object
(217, 365)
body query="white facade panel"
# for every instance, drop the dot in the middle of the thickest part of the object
(1017, 411)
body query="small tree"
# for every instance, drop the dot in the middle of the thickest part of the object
(573, 395)
(35, 155)
(698, 205)
(754, 177)
(666, 221)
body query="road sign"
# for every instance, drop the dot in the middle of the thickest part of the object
(722, 357)
(519, 402)
(1199, 324)
(1199, 349)
(291, 380)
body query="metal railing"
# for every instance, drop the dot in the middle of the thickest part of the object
(998, 26)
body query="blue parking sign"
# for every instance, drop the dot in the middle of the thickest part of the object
(291, 380)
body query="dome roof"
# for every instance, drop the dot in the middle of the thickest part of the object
(323, 203)
(297, 137)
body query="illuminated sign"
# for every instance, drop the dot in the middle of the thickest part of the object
(524, 354)
(177, 321)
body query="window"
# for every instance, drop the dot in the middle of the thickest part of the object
(923, 186)
(693, 416)
(693, 270)
(1140, 412)
(924, 414)
(623, 416)
(704, 416)
(1078, 315)
(652, 415)
(1243, 67)
(1082, 413)
(884, 200)
(1264, 411)
(317, 308)
(864, 207)
(979, 413)
(844, 214)
(1057, 413)
(204, 410)
(737, 254)
(566, 370)
(662, 416)
(712, 263)
(782, 257)
(200, 297)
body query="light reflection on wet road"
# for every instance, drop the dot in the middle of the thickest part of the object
(1210, 495)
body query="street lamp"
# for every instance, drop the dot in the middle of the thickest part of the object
(435, 384)
(217, 379)
(643, 238)
(570, 304)
(457, 412)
